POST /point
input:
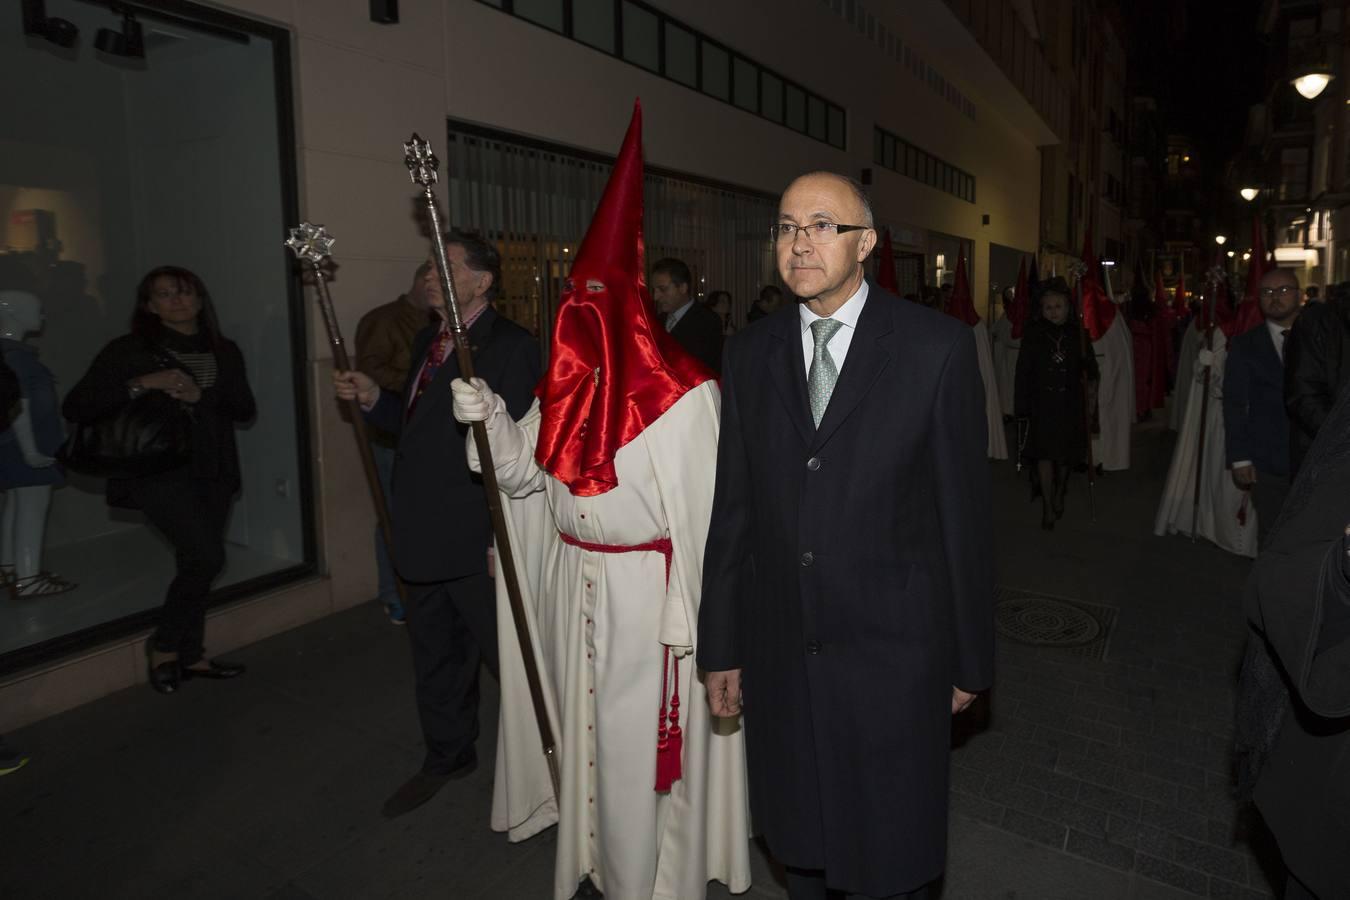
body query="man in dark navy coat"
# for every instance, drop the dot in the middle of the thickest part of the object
(441, 527)
(1255, 424)
(848, 585)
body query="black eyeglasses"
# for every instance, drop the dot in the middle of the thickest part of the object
(1283, 290)
(816, 232)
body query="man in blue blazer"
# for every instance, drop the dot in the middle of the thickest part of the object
(848, 584)
(1255, 424)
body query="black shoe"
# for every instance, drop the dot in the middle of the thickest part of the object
(216, 669)
(423, 786)
(11, 760)
(163, 677)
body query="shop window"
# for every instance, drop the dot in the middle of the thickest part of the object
(641, 42)
(837, 137)
(716, 71)
(771, 96)
(548, 13)
(593, 23)
(681, 55)
(816, 121)
(796, 108)
(186, 159)
(745, 80)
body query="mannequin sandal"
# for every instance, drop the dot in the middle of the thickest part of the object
(43, 584)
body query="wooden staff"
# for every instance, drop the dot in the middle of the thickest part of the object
(422, 165)
(1204, 409)
(312, 244)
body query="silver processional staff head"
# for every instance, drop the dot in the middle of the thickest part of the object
(421, 162)
(310, 243)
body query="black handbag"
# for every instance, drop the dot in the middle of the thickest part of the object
(149, 435)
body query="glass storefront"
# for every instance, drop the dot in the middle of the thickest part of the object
(536, 200)
(111, 165)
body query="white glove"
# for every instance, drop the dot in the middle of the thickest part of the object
(1206, 357)
(473, 400)
(681, 652)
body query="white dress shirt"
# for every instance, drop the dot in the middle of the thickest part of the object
(674, 318)
(838, 345)
(1277, 334)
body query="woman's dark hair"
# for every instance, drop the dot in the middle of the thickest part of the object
(481, 257)
(710, 301)
(146, 324)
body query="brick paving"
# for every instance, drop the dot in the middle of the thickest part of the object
(1079, 779)
(1124, 761)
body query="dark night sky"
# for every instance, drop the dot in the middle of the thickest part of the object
(1204, 77)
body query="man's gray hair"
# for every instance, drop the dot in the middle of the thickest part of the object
(858, 194)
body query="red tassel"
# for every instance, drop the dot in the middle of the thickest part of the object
(669, 741)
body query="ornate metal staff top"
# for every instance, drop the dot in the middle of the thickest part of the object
(313, 244)
(422, 164)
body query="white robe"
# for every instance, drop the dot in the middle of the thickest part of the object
(1190, 347)
(1115, 396)
(598, 622)
(1220, 499)
(997, 446)
(1005, 351)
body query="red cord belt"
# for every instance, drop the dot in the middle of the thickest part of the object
(669, 740)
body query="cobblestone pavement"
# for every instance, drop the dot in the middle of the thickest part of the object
(1080, 778)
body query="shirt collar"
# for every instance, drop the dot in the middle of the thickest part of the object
(846, 314)
(1275, 330)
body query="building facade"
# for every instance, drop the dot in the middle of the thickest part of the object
(248, 116)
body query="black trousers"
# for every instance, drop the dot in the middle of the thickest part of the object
(453, 628)
(191, 514)
(809, 884)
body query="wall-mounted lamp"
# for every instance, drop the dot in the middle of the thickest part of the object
(128, 43)
(61, 32)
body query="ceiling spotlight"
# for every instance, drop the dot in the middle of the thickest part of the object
(1249, 193)
(128, 43)
(61, 32)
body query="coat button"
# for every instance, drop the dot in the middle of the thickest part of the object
(807, 558)
(813, 463)
(813, 647)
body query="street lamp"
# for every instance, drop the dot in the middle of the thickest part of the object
(1312, 83)
(1220, 239)
(1249, 193)
(1231, 254)
(1246, 255)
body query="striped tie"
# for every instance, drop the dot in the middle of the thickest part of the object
(820, 380)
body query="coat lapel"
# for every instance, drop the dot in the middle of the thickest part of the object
(787, 371)
(438, 389)
(867, 358)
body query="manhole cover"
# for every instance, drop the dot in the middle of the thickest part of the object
(1043, 622)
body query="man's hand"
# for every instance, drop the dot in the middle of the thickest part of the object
(960, 699)
(724, 692)
(472, 400)
(358, 386)
(1244, 477)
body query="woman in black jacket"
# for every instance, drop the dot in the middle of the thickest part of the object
(175, 346)
(1049, 394)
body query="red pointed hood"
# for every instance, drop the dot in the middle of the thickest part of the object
(886, 265)
(613, 369)
(960, 306)
(1021, 304)
(1181, 301)
(1098, 310)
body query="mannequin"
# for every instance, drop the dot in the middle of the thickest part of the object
(28, 470)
